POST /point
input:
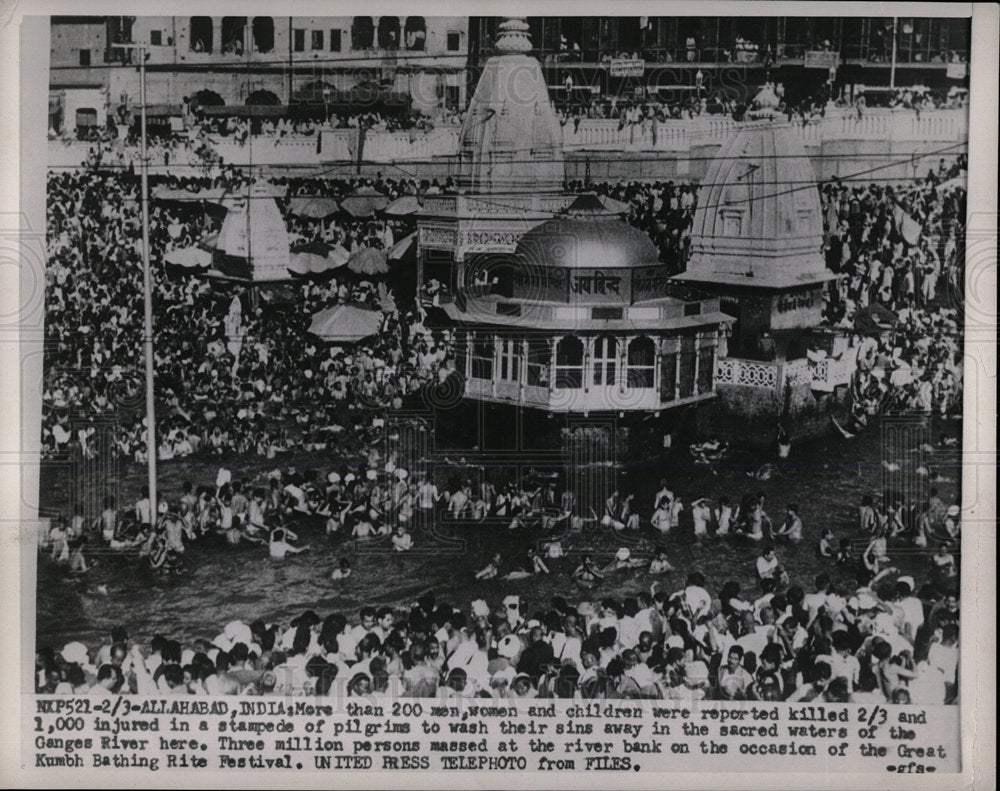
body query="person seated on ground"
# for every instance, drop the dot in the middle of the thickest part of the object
(278, 545)
(402, 540)
(343, 571)
(791, 528)
(491, 569)
(826, 548)
(659, 564)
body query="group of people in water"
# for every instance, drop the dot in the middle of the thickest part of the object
(883, 639)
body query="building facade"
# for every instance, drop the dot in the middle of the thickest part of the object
(328, 63)
(78, 96)
(661, 55)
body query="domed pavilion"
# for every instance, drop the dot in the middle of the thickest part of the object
(558, 303)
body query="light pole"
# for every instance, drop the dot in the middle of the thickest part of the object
(892, 68)
(147, 290)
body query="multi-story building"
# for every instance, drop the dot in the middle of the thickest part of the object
(616, 55)
(77, 80)
(308, 64)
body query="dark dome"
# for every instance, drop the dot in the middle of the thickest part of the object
(572, 243)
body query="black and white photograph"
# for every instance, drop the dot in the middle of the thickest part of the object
(519, 396)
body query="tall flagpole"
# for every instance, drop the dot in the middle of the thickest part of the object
(147, 294)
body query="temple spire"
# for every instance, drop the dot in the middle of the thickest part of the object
(513, 38)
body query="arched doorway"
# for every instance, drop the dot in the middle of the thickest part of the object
(263, 97)
(207, 98)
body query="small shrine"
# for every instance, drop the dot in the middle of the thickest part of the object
(757, 237)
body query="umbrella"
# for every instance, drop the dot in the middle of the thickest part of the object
(313, 207)
(591, 204)
(403, 246)
(345, 324)
(364, 202)
(189, 258)
(318, 256)
(368, 261)
(407, 204)
(874, 320)
(308, 262)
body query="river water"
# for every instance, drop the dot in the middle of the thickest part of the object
(827, 477)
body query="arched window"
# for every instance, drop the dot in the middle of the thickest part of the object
(388, 32)
(233, 32)
(641, 363)
(415, 32)
(605, 360)
(263, 33)
(569, 363)
(482, 357)
(362, 33)
(201, 34)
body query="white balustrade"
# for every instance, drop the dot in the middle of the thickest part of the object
(675, 135)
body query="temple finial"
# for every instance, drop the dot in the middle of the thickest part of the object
(513, 38)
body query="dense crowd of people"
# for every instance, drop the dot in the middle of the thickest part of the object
(253, 382)
(240, 128)
(664, 210)
(886, 638)
(253, 391)
(899, 252)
